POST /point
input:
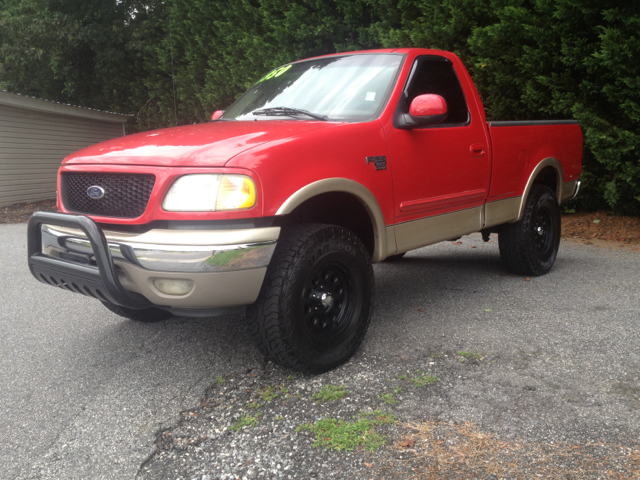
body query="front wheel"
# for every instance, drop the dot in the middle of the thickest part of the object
(530, 246)
(316, 301)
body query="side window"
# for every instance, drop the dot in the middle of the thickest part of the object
(437, 75)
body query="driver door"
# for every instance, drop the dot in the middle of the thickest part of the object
(440, 172)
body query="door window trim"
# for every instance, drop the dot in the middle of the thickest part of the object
(402, 107)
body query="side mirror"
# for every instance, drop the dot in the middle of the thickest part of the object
(217, 114)
(424, 110)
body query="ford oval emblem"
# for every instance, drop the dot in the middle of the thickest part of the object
(95, 192)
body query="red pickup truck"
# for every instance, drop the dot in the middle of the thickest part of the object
(279, 206)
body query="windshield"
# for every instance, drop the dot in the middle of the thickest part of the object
(345, 88)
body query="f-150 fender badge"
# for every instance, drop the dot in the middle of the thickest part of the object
(379, 162)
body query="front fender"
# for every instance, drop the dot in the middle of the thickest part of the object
(362, 193)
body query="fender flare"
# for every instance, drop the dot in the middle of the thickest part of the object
(344, 185)
(547, 162)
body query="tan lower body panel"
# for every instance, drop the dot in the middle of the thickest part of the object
(210, 289)
(392, 248)
(427, 231)
(502, 211)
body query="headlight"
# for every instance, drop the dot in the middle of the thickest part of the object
(209, 193)
(236, 192)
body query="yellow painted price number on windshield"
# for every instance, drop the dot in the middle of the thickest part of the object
(274, 73)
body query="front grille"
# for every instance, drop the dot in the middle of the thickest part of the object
(125, 195)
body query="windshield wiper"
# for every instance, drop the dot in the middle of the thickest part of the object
(289, 112)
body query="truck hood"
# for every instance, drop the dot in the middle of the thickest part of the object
(210, 144)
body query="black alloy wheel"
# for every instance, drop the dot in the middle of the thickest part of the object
(543, 232)
(328, 300)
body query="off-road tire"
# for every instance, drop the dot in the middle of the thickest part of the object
(530, 246)
(315, 304)
(145, 315)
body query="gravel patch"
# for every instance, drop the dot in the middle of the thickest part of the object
(256, 424)
(274, 404)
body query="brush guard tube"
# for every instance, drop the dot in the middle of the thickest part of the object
(99, 282)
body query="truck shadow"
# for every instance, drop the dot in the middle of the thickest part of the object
(435, 281)
(426, 280)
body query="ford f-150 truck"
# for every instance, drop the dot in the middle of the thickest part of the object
(279, 206)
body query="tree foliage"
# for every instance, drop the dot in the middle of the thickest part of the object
(175, 61)
(91, 53)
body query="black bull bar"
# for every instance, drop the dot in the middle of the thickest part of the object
(100, 281)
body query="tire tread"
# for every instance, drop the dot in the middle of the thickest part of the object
(516, 250)
(265, 317)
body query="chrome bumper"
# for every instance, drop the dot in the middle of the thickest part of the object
(577, 190)
(222, 268)
(570, 190)
(160, 257)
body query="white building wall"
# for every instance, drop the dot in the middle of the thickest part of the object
(33, 144)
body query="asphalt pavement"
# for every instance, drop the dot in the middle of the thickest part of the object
(86, 394)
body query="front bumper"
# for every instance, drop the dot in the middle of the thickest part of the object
(225, 267)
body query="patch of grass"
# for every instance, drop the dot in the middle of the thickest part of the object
(220, 380)
(290, 377)
(380, 417)
(469, 355)
(340, 435)
(279, 417)
(388, 398)
(423, 379)
(246, 421)
(329, 393)
(420, 380)
(269, 393)
(255, 405)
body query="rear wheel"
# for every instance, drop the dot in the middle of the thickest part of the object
(530, 246)
(145, 315)
(315, 304)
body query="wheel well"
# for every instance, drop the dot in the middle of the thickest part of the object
(549, 177)
(335, 208)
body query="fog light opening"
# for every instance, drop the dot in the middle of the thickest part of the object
(172, 286)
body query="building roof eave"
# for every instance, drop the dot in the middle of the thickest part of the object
(36, 104)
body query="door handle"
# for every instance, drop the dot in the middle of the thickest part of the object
(477, 150)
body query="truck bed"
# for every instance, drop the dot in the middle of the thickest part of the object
(519, 146)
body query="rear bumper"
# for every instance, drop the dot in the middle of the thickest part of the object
(570, 190)
(225, 268)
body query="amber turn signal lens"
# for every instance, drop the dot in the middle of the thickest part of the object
(236, 192)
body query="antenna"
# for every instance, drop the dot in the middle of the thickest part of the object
(173, 77)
